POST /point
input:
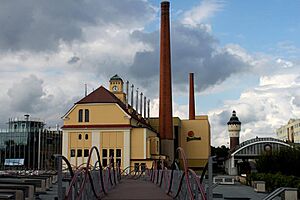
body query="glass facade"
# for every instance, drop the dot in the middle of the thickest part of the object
(26, 144)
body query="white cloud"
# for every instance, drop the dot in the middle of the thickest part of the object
(180, 111)
(205, 10)
(261, 109)
(284, 63)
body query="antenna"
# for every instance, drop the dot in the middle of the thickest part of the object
(85, 89)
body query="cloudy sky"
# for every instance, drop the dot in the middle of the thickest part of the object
(245, 56)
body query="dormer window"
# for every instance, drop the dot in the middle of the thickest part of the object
(80, 115)
(86, 115)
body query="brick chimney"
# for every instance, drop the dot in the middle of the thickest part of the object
(192, 98)
(165, 89)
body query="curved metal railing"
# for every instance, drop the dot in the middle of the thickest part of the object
(181, 184)
(89, 181)
(92, 181)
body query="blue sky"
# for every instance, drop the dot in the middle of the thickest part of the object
(258, 26)
(245, 56)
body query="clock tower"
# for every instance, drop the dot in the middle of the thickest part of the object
(116, 87)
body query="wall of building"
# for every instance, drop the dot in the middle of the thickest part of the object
(109, 142)
(105, 113)
(197, 147)
(79, 144)
(197, 151)
(138, 143)
(290, 132)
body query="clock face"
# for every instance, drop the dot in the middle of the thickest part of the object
(115, 88)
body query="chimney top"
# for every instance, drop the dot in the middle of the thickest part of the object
(165, 5)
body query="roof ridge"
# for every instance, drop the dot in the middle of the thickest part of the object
(103, 95)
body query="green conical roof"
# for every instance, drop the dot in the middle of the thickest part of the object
(116, 78)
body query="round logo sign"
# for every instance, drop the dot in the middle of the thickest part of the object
(191, 134)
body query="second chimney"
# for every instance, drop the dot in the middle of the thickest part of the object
(192, 98)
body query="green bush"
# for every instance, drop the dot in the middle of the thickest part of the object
(286, 161)
(274, 181)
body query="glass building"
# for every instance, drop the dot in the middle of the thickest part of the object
(27, 144)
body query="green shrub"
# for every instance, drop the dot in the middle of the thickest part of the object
(274, 181)
(285, 161)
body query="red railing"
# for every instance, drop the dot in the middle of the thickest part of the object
(83, 181)
(186, 182)
(93, 182)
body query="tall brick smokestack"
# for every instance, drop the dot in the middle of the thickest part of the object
(165, 89)
(192, 98)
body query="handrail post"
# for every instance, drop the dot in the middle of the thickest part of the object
(210, 178)
(59, 178)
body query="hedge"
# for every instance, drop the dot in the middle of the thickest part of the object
(274, 181)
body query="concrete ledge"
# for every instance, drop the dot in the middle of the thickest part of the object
(224, 180)
(291, 194)
(18, 194)
(259, 186)
(28, 190)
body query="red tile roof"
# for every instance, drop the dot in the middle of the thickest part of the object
(102, 95)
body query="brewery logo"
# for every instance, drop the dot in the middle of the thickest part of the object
(191, 136)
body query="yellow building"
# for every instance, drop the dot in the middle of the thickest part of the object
(290, 132)
(105, 119)
(102, 119)
(193, 136)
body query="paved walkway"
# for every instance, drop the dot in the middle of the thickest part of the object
(136, 189)
(238, 191)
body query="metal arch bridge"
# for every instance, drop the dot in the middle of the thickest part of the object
(95, 182)
(256, 146)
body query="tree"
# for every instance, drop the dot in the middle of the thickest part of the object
(286, 161)
(220, 152)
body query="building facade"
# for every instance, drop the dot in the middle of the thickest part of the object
(193, 136)
(107, 120)
(26, 144)
(290, 132)
(104, 119)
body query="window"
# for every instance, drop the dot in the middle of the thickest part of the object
(104, 162)
(136, 167)
(79, 137)
(119, 157)
(118, 161)
(111, 155)
(80, 117)
(118, 153)
(79, 152)
(104, 157)
(86, 115)
(104, 153)
(143, 167)
(72, 153)
(86, 136)
(86, 153)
